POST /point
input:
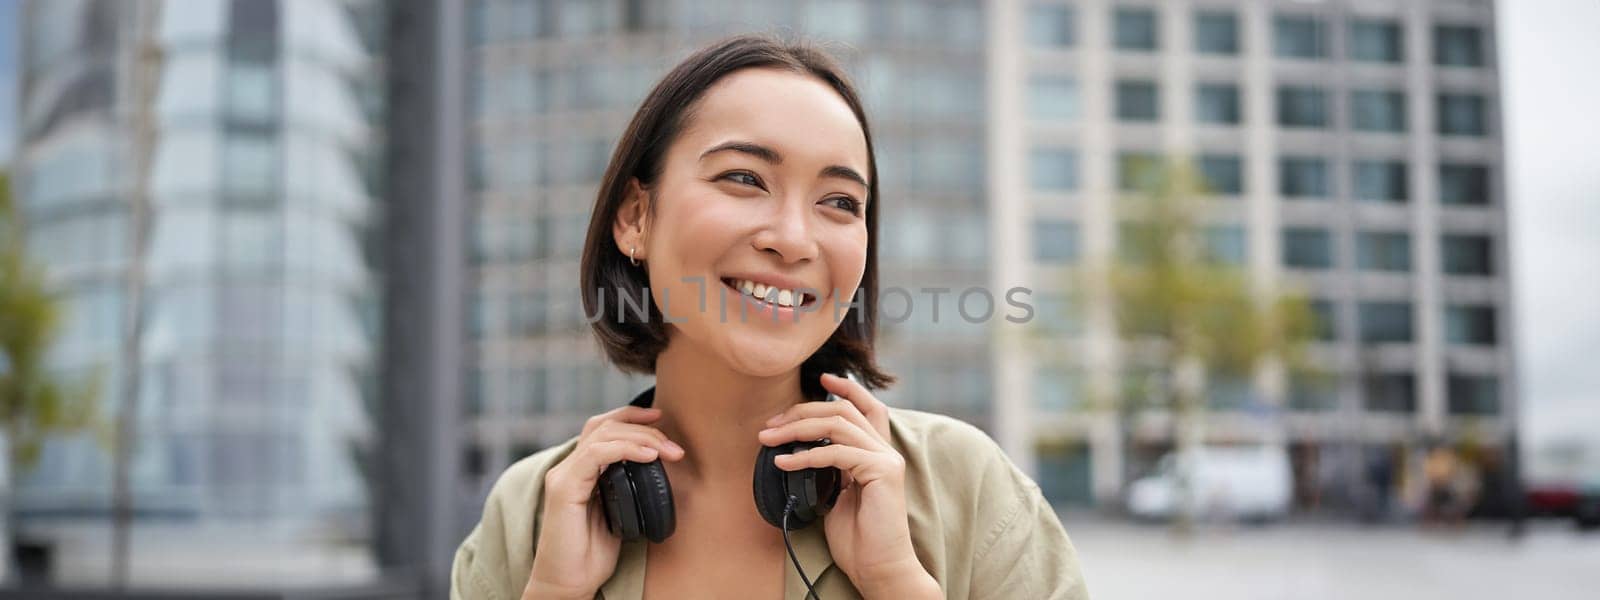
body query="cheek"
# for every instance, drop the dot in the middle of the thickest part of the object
(848, 257)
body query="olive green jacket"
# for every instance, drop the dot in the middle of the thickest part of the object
(979, 525)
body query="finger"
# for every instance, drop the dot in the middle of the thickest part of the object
(574, 483)
(624, 414)
(640, 434)
(876, 412)
(861, 465)
(837, 429)
(811, 410)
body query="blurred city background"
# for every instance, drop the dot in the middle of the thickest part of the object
(285, 284)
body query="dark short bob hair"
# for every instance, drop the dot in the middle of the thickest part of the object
(632, 344)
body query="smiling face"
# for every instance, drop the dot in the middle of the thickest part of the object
(767, 183)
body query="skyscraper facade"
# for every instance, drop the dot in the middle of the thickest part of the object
(246, 136)
(1352, 152)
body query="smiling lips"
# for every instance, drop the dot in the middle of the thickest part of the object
(769, 294)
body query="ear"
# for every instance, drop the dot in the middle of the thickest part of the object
(633, 219)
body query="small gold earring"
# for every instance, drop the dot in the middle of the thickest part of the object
(630, 255)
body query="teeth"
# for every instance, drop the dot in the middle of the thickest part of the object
(770, 294)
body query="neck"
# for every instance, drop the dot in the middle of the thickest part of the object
(715, 412)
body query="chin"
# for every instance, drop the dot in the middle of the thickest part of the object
(753, 357)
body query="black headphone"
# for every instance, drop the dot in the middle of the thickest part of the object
(637, 499)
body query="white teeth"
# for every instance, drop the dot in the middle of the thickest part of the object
(770, 294)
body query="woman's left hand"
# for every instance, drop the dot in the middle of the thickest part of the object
(868, 533)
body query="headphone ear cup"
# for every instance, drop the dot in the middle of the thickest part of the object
(620, 504)
(814, 489)
(657, 516)
(768, 486)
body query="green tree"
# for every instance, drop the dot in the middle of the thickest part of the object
(1184, 316)
(34, 402)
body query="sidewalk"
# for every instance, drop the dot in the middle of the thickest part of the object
(1131, 561)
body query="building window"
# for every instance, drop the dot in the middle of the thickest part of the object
(1137, 171)
(1378, 110)
(1223, 174)
(1216, 32)
(1136, 29)
(1306, 248)
(1300, 106)
(1463, 184)
(1053, 98)
(1380, 181)
(950, 165)
(1135, 241)
(1383, 251)
(252, 92)
(1458, 46)
(1056, 314)
(1375, 41)
(1217, 103)
(1228, 391)
(1475, 395)
(1054, 169)
(1469, 325)
(1299, 37)
(250, 164)
(505, 21)
(1462, 114)
(1066, 474)
(1225, 244)
(1137, 101)
(1391, 392)
(1055, 241)
(1327, 320)
(1313, 392)
(1050, 26)
(1385, 322)
(1303, 177)
(1466, 255)
(1058, 389)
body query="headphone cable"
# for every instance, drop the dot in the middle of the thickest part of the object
(787, 508)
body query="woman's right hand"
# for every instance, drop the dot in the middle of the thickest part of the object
(576, 553)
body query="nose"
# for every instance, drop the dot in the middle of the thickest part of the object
(788, 233)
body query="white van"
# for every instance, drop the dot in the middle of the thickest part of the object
(1230, 482)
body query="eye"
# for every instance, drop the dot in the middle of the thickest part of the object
(749, 178)
(849, 204)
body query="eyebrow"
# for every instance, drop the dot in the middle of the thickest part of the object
(772, 156)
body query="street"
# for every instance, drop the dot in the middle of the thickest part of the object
(1131, 561)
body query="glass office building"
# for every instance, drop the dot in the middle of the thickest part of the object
(258, 288)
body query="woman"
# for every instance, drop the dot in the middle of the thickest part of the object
(750, 166)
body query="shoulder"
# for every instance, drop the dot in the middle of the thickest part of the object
(494, 559)
(979, 523)
(957, 477)
(523, 481)
(957, 451)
